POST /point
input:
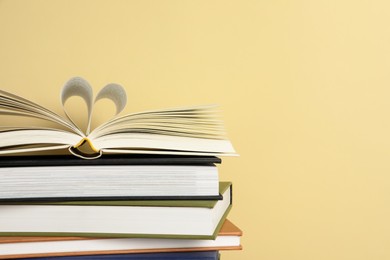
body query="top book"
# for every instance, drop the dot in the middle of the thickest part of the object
(181, 131)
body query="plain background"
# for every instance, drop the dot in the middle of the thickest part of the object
(304, 87)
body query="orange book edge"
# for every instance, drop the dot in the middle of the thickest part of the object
(227, 229)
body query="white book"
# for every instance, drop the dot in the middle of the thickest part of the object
(181, 131)
(21, 247)
(111, 177)
(108, 182)
(154, 219)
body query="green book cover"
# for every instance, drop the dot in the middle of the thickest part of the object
(224, 186)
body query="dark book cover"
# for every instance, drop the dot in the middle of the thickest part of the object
(106, 159)
(206, 255)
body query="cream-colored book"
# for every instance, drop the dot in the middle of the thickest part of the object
(182, 131)
(21, 247)
(196, 219)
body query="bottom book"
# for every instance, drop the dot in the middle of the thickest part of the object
(207, 255)
(27, 247)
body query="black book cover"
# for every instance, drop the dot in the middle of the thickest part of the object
(206, 255)
(106, 159)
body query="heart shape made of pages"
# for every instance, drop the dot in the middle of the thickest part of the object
(78, 86)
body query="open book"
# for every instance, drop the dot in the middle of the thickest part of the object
(181, 131)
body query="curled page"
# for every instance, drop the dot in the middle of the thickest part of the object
(80, 87)
(77, 87)
(114, 92)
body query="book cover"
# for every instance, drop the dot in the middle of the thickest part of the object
(21, 247)
(206, 255)
(116, 221)
(107, 159)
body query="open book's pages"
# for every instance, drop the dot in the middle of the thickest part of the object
(181, 131)
(191, 219)
(21, 247)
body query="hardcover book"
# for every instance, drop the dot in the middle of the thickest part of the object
(22, 247)
(119, 176)
(153, 219)
(181, 131)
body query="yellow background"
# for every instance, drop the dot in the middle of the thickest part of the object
(304, 87)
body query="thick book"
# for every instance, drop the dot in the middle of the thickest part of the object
(57, 178)
(207, 255)
(181, 131)
(153, 219)
(22, 247)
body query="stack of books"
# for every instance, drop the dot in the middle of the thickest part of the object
(140, 186)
